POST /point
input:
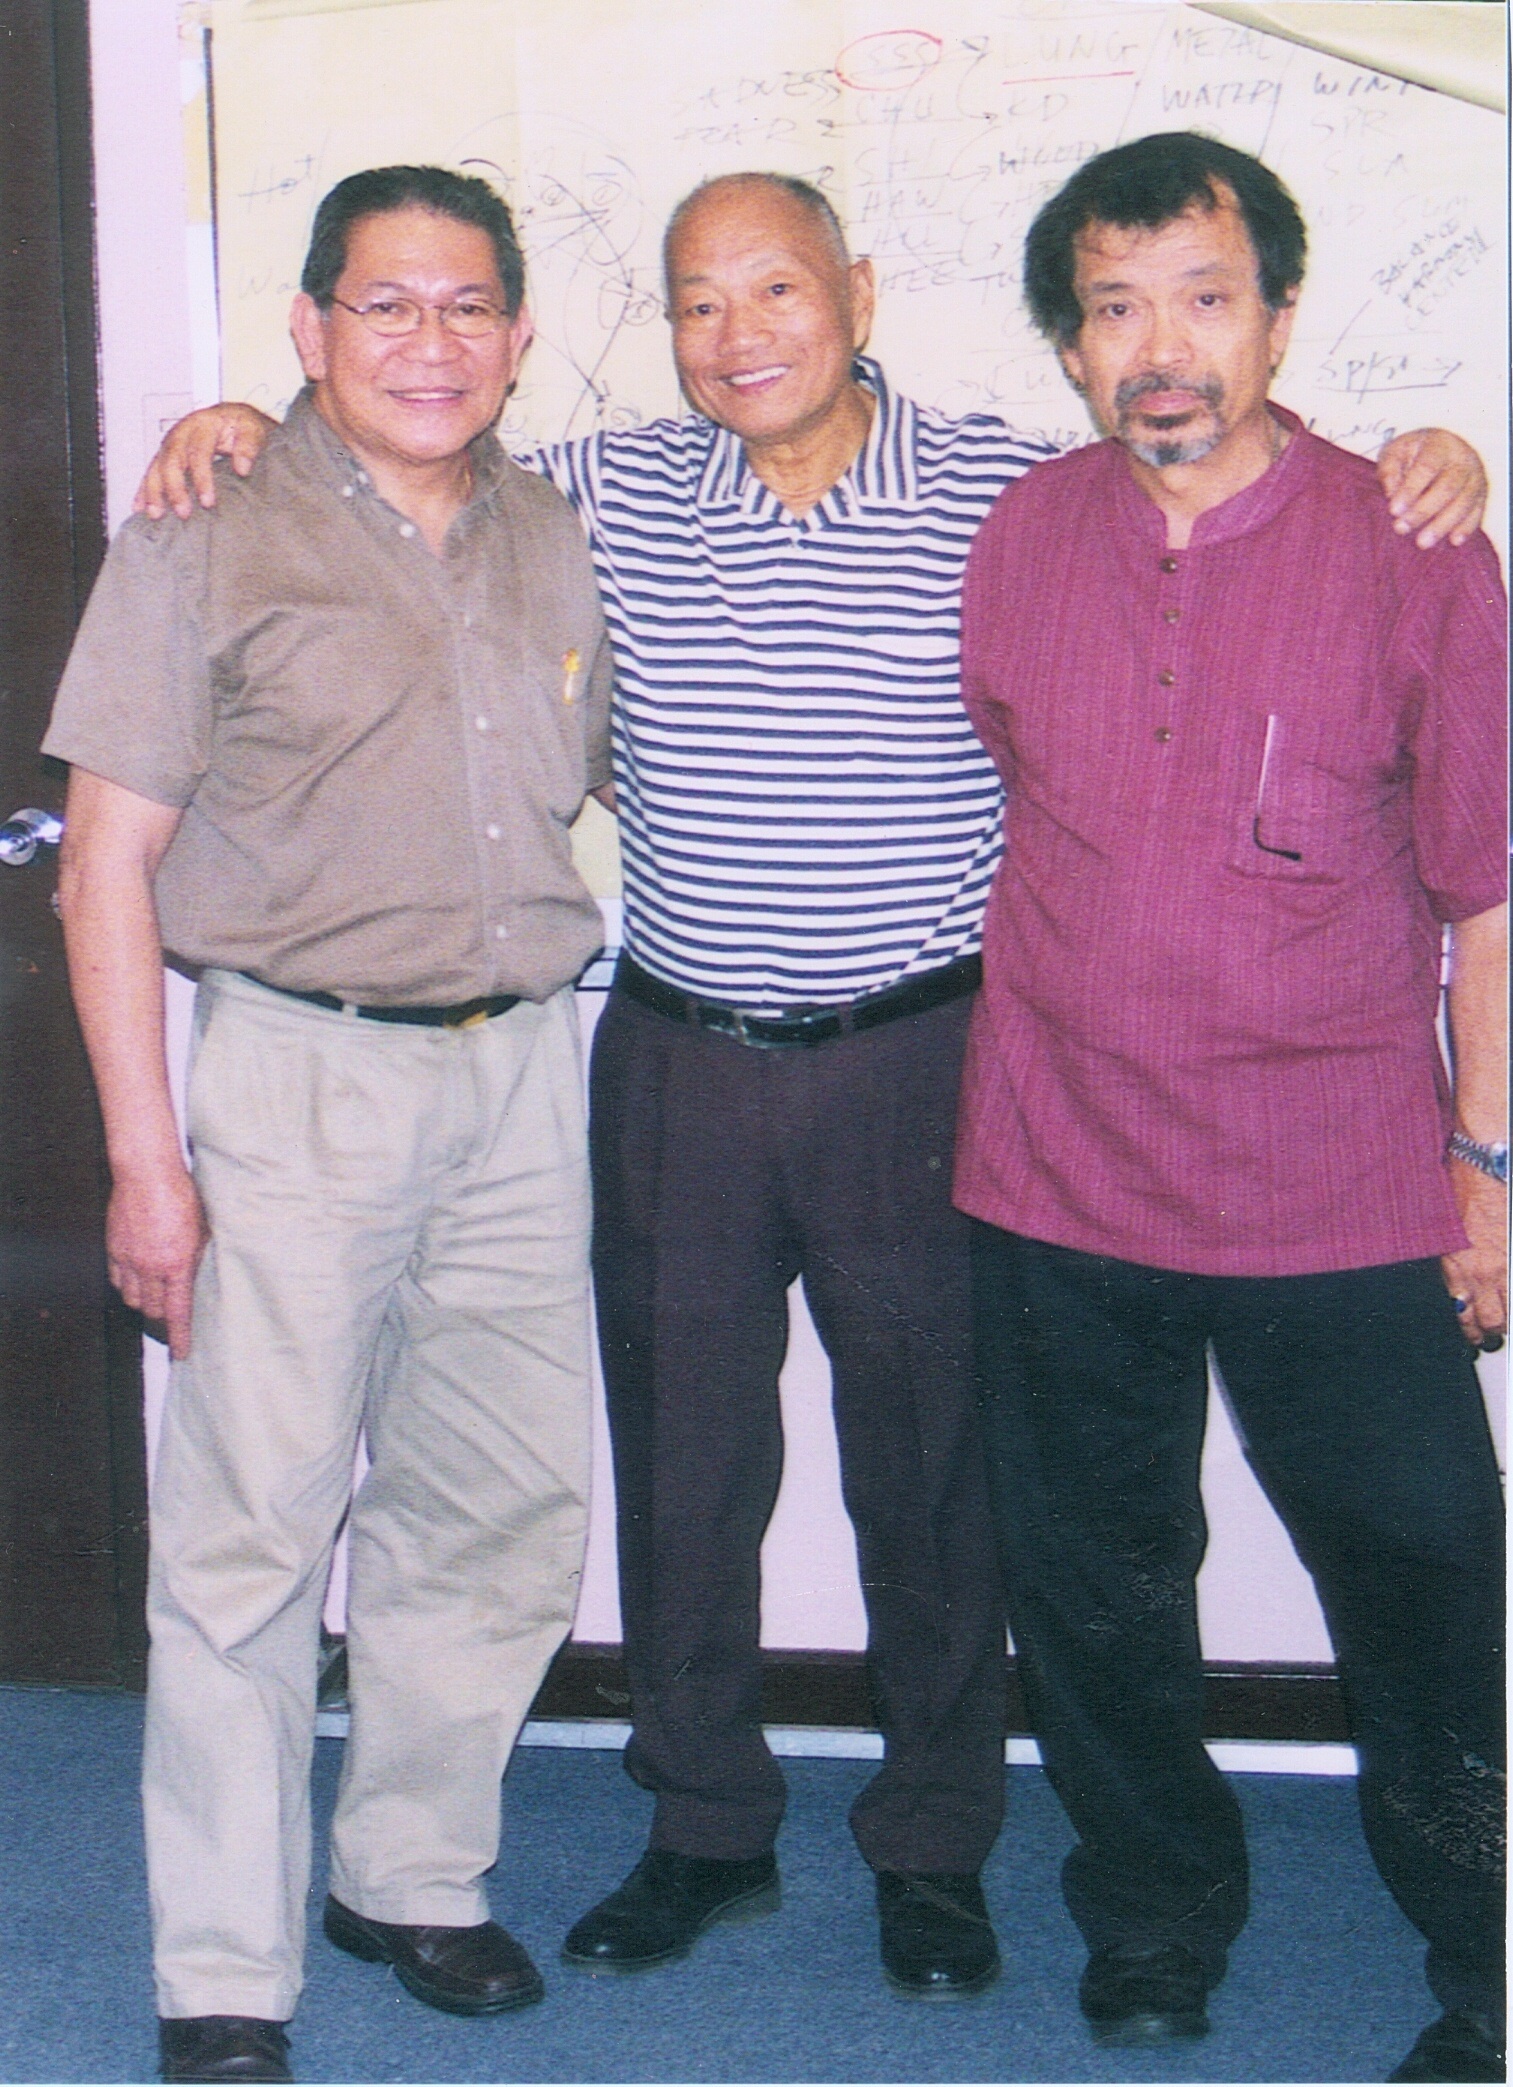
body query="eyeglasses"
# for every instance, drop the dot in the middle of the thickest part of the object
(469, 317)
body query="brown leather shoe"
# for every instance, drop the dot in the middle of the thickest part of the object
(464, 1971)
(223, 2047)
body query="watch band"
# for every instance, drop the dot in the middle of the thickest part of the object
(1487, 1159)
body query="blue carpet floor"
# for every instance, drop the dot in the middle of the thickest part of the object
(1324, 1985)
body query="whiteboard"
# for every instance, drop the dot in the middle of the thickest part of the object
(937, 143)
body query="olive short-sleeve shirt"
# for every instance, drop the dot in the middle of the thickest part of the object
(378, 752)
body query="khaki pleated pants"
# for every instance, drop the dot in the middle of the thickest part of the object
(398, 1240)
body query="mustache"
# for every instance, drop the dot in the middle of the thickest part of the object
(1208, 389)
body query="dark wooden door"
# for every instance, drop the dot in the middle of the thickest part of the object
(72, 1492)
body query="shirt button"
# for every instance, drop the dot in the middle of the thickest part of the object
(501, 934)
(346, 492)
(482, 723)
(491, 833)
(407, 528)
(1166, 677)
(1163, 733)
(1172, 615)
(1168, 565)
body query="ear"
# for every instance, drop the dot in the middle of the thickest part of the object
(863, 287)
(308, 326)
(1281, 330)
(1072, 366)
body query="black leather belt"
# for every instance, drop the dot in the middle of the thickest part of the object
(466, 1014)
(807, 1025)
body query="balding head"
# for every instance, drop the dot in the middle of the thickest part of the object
(802, 194)
(767, 313)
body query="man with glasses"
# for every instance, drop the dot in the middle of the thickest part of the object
(1255, 763)
(327, 749)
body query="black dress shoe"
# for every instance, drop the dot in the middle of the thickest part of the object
(937, 1940)
(223, 2047)
(1135, 1994)
(663, 1907)
(1461, 2045)
(464, 1971)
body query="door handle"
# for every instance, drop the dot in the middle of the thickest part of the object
(25, 831)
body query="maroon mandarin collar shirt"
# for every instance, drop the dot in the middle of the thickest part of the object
(1247, 782)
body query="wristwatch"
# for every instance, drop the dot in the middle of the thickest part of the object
(1487, 1159)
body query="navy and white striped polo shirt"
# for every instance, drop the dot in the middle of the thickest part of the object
(805, 812)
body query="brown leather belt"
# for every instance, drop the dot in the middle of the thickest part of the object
(809, 1025)
(466, 1014)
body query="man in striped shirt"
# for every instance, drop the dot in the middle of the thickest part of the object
(808, 829)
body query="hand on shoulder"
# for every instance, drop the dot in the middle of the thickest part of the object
(183, 471)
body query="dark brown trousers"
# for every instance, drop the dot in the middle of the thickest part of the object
(721, 1173)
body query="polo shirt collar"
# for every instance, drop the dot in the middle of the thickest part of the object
(884, 473)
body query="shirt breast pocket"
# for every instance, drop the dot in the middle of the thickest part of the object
(557, 673)
(1310, 804)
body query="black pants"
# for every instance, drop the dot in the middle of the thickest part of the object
(722, 1172)
(1360, 1412)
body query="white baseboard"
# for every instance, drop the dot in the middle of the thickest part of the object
(822, 1743)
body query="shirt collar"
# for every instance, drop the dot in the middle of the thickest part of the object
(883, 474)
(317, 443)
(1249, 509)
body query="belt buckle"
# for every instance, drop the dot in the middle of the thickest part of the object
(743, 1034)
(475, 1020)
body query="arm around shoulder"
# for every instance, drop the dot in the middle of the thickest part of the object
(183, 471)
(1436, 486)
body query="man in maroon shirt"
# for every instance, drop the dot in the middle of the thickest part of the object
(1253, 749)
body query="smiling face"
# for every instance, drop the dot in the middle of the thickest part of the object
(407, 405)
(766, 315)
(1177, 347)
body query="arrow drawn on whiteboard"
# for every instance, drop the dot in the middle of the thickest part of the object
(1384, 370)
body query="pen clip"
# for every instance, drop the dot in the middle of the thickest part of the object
(1287, 854)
